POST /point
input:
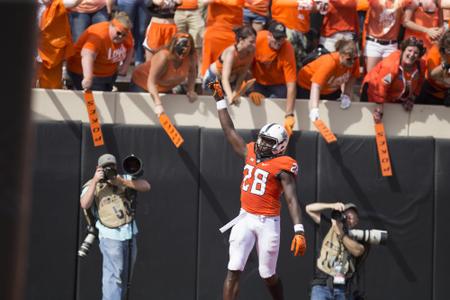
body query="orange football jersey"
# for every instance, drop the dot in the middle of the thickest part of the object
(261, 188)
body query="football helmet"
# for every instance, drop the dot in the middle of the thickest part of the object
(272, 140)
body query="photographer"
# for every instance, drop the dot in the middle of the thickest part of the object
(113, 197)
(336, 264)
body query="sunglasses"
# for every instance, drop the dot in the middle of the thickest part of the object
(121, 34)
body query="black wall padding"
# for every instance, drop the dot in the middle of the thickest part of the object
(221, 175)
(441, 220)
(53, 228)
(403, 205)
(167, 215)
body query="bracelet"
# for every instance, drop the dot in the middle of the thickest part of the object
(221, 104)
(289, 115)
(299, 228)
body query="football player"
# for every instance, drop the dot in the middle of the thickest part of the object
(267, 174)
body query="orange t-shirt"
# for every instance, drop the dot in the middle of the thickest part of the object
(226, 14)
(89, 6)
(55, 40)
(261, 187)
(188, 5)
(287, 13)
(425, 19)
(433, 61)
(171, 77)
(96, 38)
(260, 7)
(383, 21)
(328, 72)
(362, 5)
(341, 16)
(272, 67)
(239, 63)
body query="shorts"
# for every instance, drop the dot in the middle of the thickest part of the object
(374, 49)
(250, 17)
(191, 21)
(251, 229)
(158, 35)
(330, 41)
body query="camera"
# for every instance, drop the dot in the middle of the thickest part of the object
(109, 172)
(91, 235)
(338, 215)
(132, 166)
(372, 236)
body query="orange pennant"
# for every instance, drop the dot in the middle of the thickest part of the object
(171, 130)
(326, 133)
(383, 151)
(96, 129)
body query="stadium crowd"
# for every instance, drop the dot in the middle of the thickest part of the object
(395, 50)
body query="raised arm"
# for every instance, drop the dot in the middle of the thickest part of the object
(232, 136)
(315, 209)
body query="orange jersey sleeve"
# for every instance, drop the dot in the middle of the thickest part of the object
(108, 54)
(327, 72)
(261, 187)
(272, 67)
(287, 12)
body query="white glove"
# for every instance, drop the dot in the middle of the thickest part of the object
(314, 114)
(345, 101)
(304, 4)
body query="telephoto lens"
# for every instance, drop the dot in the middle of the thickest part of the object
(88, 240)
(372, 236)
(132, 165)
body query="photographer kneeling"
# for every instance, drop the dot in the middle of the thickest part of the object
(114, 196)
(338, 251)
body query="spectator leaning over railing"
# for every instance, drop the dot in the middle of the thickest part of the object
(274, 70)
(54, 42)
(139, 17)
(188, 18)
(222, 17)
(232, 66)
(436, 88)
(89, 12)
(256, 13)
(103, 51)
(323, 77)
(423, 19)
(382, 27)
(162, 25)
(339, 23)
(295, 15)
(169, 67)
(398, 78)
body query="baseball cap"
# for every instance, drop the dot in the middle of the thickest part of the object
(106, 159)
(350, 205)
(277, 29)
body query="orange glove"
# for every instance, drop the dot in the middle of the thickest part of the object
(298, 245)
(289, 122)
(256, 97)
(216, 87)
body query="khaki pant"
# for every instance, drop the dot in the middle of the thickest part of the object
(191, 21)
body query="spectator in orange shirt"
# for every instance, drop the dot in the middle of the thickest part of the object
(436, 88)
(55, 42)
(162, 25)
(274, 70)
(256, 13)
(423, 19)
(188, 18)
(339, 23)
(382, 27)
(103, 51)
(222, 17)
(169, 67)
(89, 12)
(398, 78)
(232, 66)
(323, 77)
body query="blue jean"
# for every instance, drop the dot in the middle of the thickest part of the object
(140, 18)
(322, 292)
(80, 21)
(271, 91)
(116, 266)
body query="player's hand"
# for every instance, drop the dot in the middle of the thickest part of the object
(289, 122)
(314, 114)
(216, 87)
(99, 174)
(298, 245)
(345, 101)
(256, 97)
